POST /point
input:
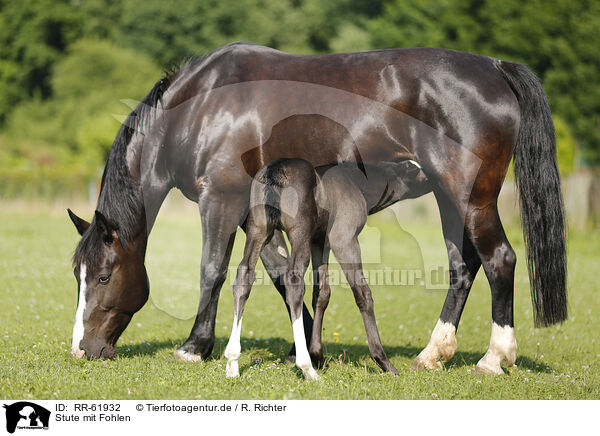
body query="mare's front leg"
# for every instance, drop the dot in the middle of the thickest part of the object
(221, 214)
(344, 245)
(320, 299)
(294, 282)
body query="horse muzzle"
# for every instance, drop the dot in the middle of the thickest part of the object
(94, 349)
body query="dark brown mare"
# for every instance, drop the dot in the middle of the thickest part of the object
(207, 128)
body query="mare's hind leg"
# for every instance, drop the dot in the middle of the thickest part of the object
(463, 264)
(347, 252)
(294, 281)
(320, 299)
(241, 291)
(498, 259)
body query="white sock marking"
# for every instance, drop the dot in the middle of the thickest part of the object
(302, 357)
(441, 344)
(503, 348)
(78, 326)
(234, 349)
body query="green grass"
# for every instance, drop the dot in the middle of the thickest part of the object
(39, 297)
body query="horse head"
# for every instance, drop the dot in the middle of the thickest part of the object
(112, 285)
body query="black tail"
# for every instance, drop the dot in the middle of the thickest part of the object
(542, 209)
(273, 178)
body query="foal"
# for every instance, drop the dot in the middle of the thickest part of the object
(319, 209)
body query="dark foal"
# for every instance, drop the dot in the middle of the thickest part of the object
(319, 209)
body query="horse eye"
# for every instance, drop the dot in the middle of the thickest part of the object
(103, 280)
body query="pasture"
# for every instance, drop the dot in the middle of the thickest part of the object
(39, 297)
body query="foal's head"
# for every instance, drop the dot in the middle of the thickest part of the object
(112, 285)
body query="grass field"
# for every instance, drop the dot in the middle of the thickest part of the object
(39, 297)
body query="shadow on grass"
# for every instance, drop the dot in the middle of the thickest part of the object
(353, 353)
(278, 349)
(146, 348)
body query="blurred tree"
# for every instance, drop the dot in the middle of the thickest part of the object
(65, 63)
(557, 40)
(87, 85)
(565, 147)
(33, 35)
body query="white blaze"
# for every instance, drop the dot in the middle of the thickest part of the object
(78, 326)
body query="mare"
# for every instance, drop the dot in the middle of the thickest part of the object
(209, 126)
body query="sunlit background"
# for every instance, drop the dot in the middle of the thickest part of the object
(67, 66)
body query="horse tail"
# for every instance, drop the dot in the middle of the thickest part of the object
(273, 178)
(542, 209)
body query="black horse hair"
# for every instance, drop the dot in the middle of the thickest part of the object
(121, 200)
(542, 209)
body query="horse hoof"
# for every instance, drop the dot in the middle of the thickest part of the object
(318, 360)
(420, 365)
(488, 370)
(312, 376)
(186, 356)
(232, 373)
(393, 370)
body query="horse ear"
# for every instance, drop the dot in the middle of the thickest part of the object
(105, 227)
(80, 224)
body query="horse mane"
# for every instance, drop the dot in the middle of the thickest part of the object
(121, 199)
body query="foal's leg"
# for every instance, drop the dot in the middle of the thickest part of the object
(294, 281)
(221, 214)
(320, 299)
(275, 259)
(347, 252)
(241, 291)
(463, 263)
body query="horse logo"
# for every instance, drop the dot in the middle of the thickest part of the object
(26, 415)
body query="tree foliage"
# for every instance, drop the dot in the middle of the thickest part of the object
(65, 65)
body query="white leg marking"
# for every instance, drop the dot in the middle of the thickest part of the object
(442, 344)
(234, 349)
(302, 357)
(415, 163)
(186, 356)
(78, 326)
(503, 347)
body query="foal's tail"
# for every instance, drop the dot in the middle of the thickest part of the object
(542, 210)
(272, 177)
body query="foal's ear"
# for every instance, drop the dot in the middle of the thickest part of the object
(105, 227)
(80, 224)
